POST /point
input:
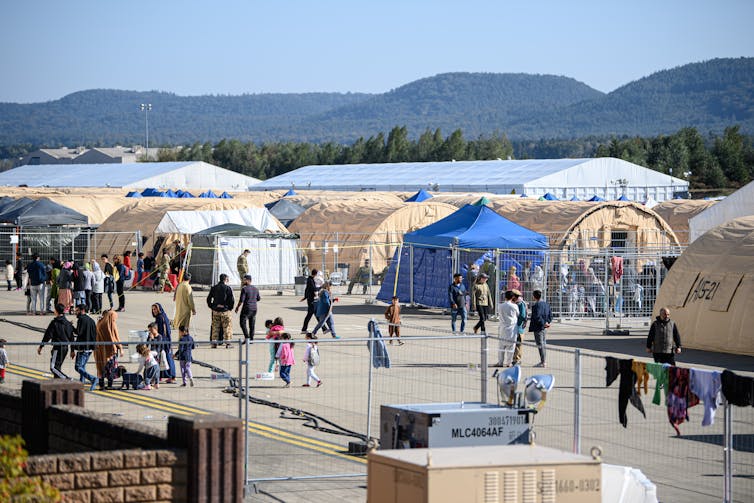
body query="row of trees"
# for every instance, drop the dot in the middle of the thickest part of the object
(708, 162)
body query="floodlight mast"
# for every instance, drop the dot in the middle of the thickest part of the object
(146, 108)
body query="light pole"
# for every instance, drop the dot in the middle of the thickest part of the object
(146, 107)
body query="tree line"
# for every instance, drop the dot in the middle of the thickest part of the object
(707, 161)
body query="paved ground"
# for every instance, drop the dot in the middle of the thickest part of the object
(283, 444)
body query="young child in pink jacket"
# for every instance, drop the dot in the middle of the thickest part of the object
(285, 356)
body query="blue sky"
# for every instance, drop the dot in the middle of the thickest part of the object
(50, 48)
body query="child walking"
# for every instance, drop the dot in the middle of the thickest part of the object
(393, 317)
(184, 355)
(3, 360)
(285, 355)
(148, 363)
(311, 357)
(274, 330)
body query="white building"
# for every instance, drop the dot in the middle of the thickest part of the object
(139, 175)
(605, 177)
(738, 204)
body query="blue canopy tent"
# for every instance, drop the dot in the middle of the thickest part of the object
(550, 197)
(186, 195)
(170, 193)
(428, 255)
(420, 196)
(149, 192)
(595, 198)
(134, 193)
(623, 198)
(574, 198)
(208, 195)
(225, 195)
(290, 192)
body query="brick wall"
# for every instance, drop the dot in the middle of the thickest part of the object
(75, 429)
(120, 476)
(11, 416)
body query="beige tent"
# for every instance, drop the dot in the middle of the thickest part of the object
(353, 224)
(678, 212)
(117, 233)
(308, 198)
(96, 204)
(710, 290)
(589, 225)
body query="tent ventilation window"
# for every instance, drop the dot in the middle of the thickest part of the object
(618, 239)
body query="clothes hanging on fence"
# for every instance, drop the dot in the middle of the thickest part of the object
(616, 265)
(706, 385)
(680, 397)
(377, 348)
(738, 390)
(626, 388)
(660, 372)
(642, 376)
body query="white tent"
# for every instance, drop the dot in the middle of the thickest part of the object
(191, 222)
(738, 204)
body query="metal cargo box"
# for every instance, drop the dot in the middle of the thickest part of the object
(455, 424)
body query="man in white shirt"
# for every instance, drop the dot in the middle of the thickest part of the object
(507, 330)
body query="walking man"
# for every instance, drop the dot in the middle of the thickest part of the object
(541, 317)
(243, 264)
(248, 305)
(220, 300)
(664, 340)
(481, 301)
(457, 294)
(86, 335)
(184, 303)
(37, 278)
(310, 296)
(60, 334)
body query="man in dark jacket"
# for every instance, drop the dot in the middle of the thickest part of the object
(664, 341)
(86, 335)
(310, 296)
(248, 305)
(37, 278)
(541, 317)
(220, 300)
(60, 333)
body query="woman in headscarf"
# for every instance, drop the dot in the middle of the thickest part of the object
(163, 327)
(106, 355)
(65, 283)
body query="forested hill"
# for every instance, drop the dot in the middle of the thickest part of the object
(708, 96)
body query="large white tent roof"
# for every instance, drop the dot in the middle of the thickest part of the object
(738, 204)
(191, 222)
(177, 175)
(533, 177)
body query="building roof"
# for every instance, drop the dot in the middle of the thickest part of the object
(184, 175)
(493, 176)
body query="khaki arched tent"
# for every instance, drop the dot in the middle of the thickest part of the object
(589, 225)
(354, 224)
(97, 204)
(116, 234)
(678, 212)
(710, 290)
(308, 198)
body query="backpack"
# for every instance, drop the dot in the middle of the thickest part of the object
(314, 356)
(129, 274)
(116, 274)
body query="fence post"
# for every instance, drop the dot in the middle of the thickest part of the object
(483, 367)
(727, 453)
(372, 324)
(577, 401)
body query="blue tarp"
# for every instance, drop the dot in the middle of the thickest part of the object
(420, 196)
(133, 193)
(550, 197)
(475, 231)
(186, 195)
(623, 198)
(225, 195)
(574, 198)
(149, 192)
(170, 193)
(290, 192)
(208, 195)
(595, 198)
